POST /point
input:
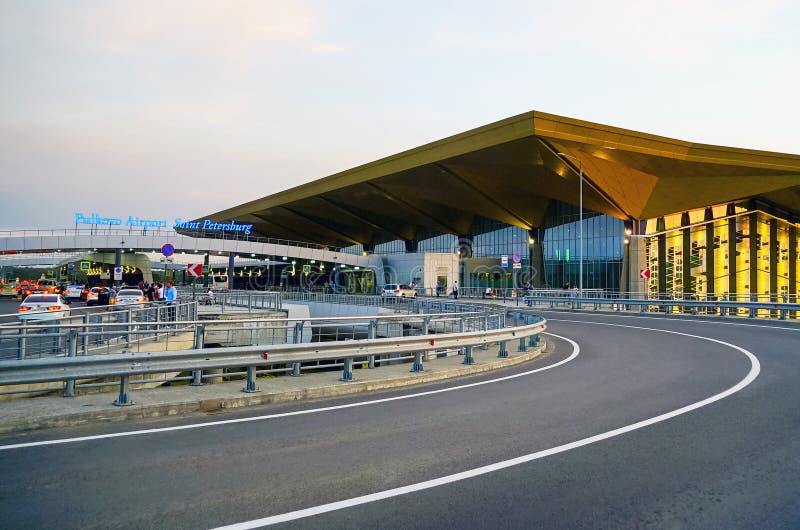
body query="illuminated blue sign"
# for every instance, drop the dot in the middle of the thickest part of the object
(131, 221)
(207, 225)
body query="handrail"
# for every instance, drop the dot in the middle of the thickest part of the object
(710, 305)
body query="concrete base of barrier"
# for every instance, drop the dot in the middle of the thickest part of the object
(52, 411)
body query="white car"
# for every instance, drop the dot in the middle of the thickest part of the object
(400, 290)
(43, 307)
(72, 291)
(129, 298)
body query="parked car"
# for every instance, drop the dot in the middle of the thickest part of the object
(73, 291)
(400, 290)
(98, 296)
(43, 307)
(129, 298)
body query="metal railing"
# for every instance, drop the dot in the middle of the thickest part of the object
(101, 330)
(741, 308)
(289, 357)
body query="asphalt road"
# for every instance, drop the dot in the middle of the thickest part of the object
(733, 463)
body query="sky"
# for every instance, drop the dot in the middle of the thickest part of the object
(179, 109)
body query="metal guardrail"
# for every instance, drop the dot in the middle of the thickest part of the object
(72, 368)
(778, 310)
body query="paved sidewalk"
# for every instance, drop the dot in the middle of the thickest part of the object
(29, 413)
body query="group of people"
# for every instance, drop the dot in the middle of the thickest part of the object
(158, 292)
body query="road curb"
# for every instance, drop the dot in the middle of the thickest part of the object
(189, 407)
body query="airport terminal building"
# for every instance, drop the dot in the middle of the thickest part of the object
(699, 219)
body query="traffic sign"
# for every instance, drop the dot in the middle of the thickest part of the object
(117, 273)
(85, 265)
(516, 258)
(504, 261)
(194, 269)
(167, 250)
(516, 265)
(306, 269)
(205, 269)
(644, 274)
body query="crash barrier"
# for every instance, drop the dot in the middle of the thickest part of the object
(100, 329)
(742, 308)
(473, 330)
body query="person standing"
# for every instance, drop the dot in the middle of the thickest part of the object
(455, 289)
(171, 296)
(160, 292)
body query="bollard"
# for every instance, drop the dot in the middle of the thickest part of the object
(122, 400)
(503, 353)
(417, 366)
(129, 327)
(251, 380)
(72, 351)
(347, 372)
(23, 340)
(85, 342)
(468, 359)
(371, 334)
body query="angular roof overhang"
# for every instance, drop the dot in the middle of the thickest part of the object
(510, 171)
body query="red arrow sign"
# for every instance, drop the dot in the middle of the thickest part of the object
(194, 269)
(644, 274)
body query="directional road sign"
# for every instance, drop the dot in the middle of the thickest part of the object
(644, 274)
(504, 261)
(194, 269)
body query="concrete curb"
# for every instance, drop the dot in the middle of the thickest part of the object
(189, 407)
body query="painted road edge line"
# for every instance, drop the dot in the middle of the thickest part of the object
(142, 432)
(755, 369)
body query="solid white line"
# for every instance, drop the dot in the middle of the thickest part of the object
(668, 319)
(575, 352)
(755, 368)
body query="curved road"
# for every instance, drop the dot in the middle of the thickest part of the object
(732, 463)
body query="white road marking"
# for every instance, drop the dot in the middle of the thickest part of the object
(575, 352)
(668, 319)
(755, 368)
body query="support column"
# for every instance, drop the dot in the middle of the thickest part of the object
(536, 256)
(710, 264)
(411, 246)
(662, 256)
(206, 269)
(231, 270)
(753, 221)
(773, 259)
(732, 251)
(792, 263)
(686, 238)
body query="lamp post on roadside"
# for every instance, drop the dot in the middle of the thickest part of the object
(580, 220)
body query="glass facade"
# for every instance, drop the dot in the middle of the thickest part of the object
(723, 253)
(603, 245)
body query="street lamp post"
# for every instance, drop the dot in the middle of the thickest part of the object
(580, 220)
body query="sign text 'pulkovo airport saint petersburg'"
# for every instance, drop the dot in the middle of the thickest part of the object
(206, 225)
(132, 221)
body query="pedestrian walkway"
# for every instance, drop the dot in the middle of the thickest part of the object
(24, 414)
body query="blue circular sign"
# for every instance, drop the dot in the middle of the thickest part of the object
(516, 257)
(168, 250)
